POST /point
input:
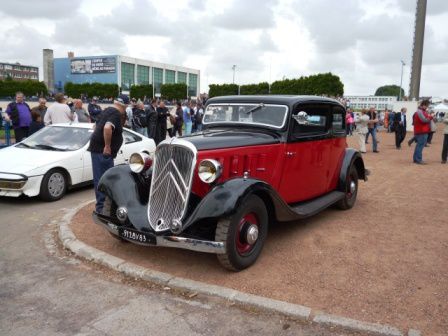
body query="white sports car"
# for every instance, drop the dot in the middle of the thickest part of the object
(56, 158)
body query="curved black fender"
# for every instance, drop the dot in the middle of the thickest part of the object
(128, 190)
(224, 199)
(351, 157)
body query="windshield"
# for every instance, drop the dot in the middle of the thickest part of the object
(259, 114)
(58, 138)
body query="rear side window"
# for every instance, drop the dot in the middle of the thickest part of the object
(130, 138)
(310, 120)
(338, 122)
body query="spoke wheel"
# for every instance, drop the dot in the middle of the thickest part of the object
(351, 190)
(54, 185)
(244, 234)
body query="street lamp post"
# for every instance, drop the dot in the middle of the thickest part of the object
(233, 68)
(401, 79)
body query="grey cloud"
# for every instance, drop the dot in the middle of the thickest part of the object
(247, 14)
(23, 44)
(434, 7)
(266, 43)
(331, 28)
(80, 32)
(140, 17)
(48, 9)
(197, 4)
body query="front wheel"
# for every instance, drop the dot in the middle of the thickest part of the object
(244, 234)
(351, 190)
(53, 186)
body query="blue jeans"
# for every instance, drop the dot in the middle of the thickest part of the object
(100, 164)
(418, 151)
(374, 142)
(188, 125)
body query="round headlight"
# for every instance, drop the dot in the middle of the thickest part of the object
(139, 162)
(209, 170)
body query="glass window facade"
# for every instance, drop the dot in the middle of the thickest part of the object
(127, 75)
(142, 74)
(157, 78)
(170, 76)
(182, 77)
(192, 84)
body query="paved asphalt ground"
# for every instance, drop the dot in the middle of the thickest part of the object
(46, 291)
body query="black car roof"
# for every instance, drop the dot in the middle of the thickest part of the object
(272, 99)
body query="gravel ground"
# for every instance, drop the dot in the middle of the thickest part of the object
(385, 260)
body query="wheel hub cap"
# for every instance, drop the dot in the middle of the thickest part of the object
(56, 184)
(252, 234)
(352, 187)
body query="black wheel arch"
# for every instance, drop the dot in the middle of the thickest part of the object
(351, 158)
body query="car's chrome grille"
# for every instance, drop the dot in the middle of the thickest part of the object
(172, 177)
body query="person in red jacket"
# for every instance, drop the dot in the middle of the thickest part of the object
(422, 127)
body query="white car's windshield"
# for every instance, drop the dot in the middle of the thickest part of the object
(260, 114)
(58, 138)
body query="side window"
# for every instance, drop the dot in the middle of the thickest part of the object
(338, 119)
(130, 138)
(310, 120)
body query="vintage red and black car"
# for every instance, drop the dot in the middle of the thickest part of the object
(259, 160)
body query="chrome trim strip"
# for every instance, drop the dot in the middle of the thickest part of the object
(206, 246)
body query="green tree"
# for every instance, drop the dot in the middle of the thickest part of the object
(174, 91)
(222, 90)
(389, 90)
(255, 89)
(141, 91)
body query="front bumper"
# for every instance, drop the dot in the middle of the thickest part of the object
(198, 245)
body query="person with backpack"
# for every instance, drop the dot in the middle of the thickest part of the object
(19, 113)
(140, 119)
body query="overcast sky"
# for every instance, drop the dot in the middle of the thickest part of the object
(362, 41)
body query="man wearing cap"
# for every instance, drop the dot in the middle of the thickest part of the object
(94, 109)
(105, 143)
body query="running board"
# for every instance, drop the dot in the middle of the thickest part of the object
(310, 208)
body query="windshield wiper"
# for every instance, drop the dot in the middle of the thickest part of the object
(42, 146)
(255, 108)
(25, 145)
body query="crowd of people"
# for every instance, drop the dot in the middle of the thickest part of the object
(367, 123)
(153, 119)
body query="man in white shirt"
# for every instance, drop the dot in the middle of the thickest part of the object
(59, 112)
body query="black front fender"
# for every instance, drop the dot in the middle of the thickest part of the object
(128, 190)
(224, 200)
(351, 158)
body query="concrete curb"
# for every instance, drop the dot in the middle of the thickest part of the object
(70, 242)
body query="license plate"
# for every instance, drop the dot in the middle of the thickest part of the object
(136, 236)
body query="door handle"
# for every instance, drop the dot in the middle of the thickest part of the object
(291, 154)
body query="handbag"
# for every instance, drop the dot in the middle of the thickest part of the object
(433, 126)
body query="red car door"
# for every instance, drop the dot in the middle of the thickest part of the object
(307, 154)
(337, 151)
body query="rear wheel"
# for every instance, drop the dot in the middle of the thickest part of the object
(244, 234)
(53, 186)
(351, 190)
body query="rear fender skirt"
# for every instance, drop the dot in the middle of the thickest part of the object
(351, 157)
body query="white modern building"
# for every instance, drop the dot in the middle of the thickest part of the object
(378, 102)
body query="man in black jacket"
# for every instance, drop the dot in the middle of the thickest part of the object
(400, 127)
(105, 143)
(94, 109)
